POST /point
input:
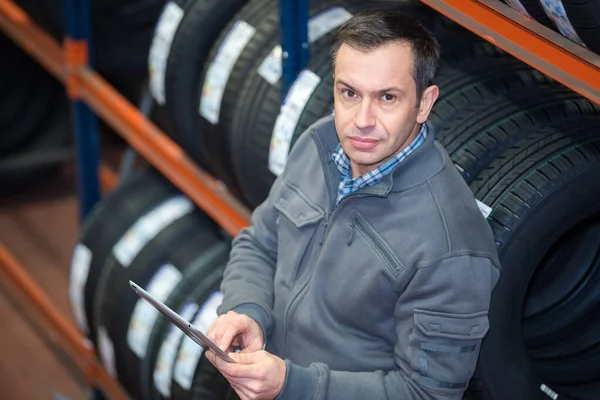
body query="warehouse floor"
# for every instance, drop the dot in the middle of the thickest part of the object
(40, 228)
(40, 231)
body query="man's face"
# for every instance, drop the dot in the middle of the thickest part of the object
(377, 113)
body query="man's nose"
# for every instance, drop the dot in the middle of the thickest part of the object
(365, 116)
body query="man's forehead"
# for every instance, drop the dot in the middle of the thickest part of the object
(378, 70)
(397, 56)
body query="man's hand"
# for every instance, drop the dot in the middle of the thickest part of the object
(255, 376)
(233, 329)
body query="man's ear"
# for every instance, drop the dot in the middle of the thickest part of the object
(428, 98)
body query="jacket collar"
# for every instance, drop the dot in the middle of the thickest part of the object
(421, 164)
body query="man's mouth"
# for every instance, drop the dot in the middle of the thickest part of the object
(363, 143)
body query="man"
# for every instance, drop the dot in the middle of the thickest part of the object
(367, 272)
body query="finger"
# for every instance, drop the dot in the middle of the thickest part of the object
(232, 370)
(252, 347)
(215, 328)
(221, 365)
(248, 358)
(228, 334)
(236, 370)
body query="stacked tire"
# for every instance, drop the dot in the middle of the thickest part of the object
(34, 118)
(121, 31)
(146, 231)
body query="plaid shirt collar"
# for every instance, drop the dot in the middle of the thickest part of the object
(348, 185)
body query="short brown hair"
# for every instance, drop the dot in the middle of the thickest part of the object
(371, 29)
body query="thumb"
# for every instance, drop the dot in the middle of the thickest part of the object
(247, 358)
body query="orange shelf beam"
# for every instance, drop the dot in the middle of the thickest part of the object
(543, 49)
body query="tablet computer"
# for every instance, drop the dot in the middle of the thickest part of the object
(182, 323)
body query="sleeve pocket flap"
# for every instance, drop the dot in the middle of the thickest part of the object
(452, 326)
(297, 207)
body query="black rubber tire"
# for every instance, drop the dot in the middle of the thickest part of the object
(14, 102)
(528, 151)
(121, 31)
(189, 291)
(570, 316)
(469, 74)
(207, 382)
(484, 130)
(568, 256)
(584, 15)
(536, 200)
(133, 198)
(30, 97)
(54, 134)
(258, 105)
(262, 16)
(184, 71)
(114, 303)
(157, 59)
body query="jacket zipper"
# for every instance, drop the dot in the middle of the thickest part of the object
(327, 223)
(378, 244)
(352, 225)
(327, 218)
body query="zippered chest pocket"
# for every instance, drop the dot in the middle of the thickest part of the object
(298, 220)
(379, 245)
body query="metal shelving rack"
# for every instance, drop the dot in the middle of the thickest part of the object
(92, 97)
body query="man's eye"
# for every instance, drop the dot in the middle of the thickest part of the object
(388, 97)
(348, 93)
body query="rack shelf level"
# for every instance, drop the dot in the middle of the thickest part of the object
(545, 50)
(128, 121)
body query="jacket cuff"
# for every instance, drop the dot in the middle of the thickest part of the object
(257, 313)
(300, 382)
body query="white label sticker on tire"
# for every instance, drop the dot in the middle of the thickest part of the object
(80, 268)
(288, 118)
(556, 12)
(549, 392)
(107, 352)
(150, 225)
(163, 370)
(516, 5)
(326, 21)
(318, 26)
(220, 68)
(161, 47)
(144, 314)
(190, 352)
(484, 208)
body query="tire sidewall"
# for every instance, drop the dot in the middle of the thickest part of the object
(567, 205)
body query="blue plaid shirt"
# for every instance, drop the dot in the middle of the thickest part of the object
(349, 185)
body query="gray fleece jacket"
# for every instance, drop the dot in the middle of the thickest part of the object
(384, 296)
